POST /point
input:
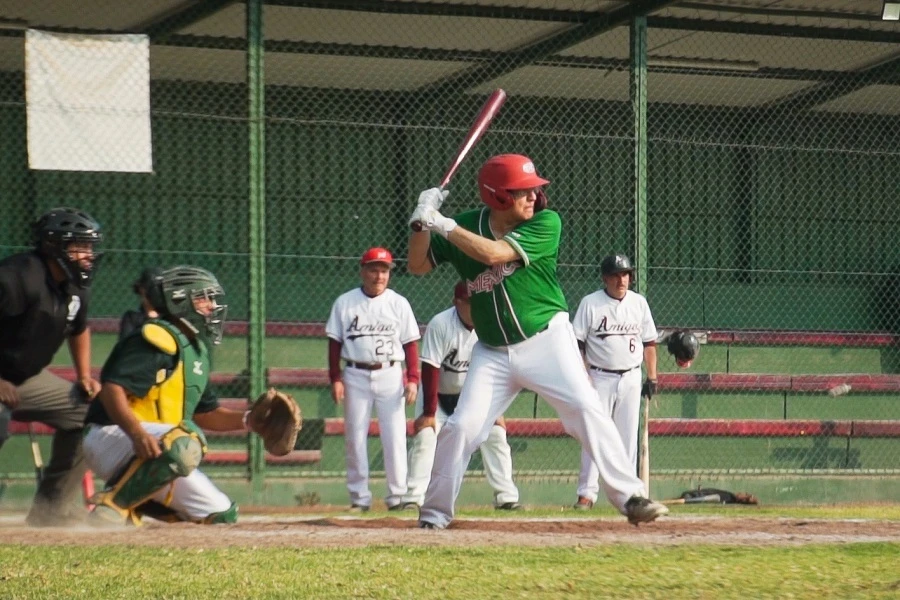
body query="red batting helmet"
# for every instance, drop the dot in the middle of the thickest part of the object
(504, 173)
(377, 255)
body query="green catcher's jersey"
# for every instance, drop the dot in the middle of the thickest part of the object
(165, 375)
(513, 301)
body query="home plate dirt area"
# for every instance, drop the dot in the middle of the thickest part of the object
(256, 530)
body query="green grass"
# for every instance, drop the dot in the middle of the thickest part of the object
(865, 570)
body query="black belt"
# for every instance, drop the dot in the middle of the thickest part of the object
(614, 371)
(448, 403)
(370, 366)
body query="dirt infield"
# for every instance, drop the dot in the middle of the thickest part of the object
(343, 532)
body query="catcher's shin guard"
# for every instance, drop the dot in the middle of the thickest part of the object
(182, 451)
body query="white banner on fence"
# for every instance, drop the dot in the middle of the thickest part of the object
(88, 102)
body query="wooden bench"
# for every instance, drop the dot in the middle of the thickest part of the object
(801, 338)
(749, 337)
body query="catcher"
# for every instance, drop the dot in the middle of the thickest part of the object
(143, 436)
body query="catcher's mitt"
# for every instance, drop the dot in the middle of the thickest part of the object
(276, 418)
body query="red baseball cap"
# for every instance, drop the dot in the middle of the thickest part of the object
(461, 291)
(377, 255)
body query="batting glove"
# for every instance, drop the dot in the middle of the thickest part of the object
(432, 220)
(649, 388)
(433, 197)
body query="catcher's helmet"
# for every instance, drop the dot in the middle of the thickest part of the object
(616, 263)
(59, 227)
(506, 172)
(178, 294)
(684, 346)
(377, 255)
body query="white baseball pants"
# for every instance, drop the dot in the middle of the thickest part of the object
(620, 399)
(550, 364)
(383, 390)
(108, 450)
(495, 452)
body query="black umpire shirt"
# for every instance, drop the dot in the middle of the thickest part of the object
(36, 315)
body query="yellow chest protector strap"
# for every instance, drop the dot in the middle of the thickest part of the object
(164, 403)
(160, 338)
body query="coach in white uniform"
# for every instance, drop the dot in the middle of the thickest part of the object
(373, 329)
(446, 353)
(616, 333)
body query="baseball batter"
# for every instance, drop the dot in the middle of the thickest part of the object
(373, 329)
(616, 333)
(446, 354)
(143, 437)
(507, 253)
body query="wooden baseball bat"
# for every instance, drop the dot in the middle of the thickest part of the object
(36, 455)
(709, 499)
(644, 468)
(490, 108)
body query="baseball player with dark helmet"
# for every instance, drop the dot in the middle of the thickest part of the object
(506, 251)
(616, 334)
(44, 297)
(144, 435)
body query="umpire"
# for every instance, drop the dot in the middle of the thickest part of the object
(44, 295)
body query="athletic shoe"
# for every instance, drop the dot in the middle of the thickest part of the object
(643, 510)
(52, 519)
(427, 525)
(509, 506)
(395, 507)
(359, 508)
(410, 506)
(583, 503)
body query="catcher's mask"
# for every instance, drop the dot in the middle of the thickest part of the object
(194, 297)
(505, 173)
(684, 346)
(616, 263)
(59, 227)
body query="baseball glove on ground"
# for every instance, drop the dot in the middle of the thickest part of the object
(276, 418)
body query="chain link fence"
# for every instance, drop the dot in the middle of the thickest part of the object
(768, 183)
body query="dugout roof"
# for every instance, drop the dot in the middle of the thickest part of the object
(849, 60)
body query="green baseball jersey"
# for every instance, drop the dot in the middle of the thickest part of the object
(513, 301)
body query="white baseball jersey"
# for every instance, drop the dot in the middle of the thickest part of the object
(447, 345)
(614, 331)
(372, 330)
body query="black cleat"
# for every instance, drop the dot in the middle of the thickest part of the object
(583, 504)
